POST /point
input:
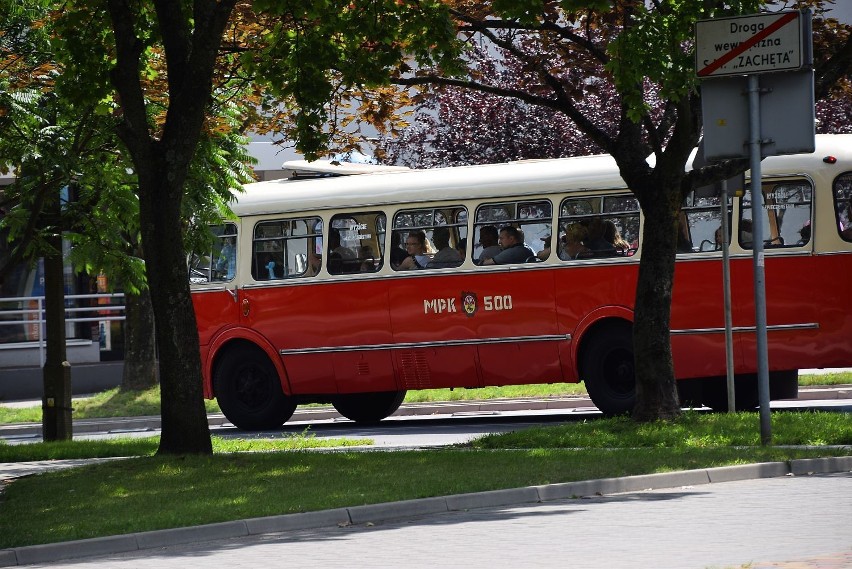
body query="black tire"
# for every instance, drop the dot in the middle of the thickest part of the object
(608, 369)
(782, 385)
(368, 407)
(745, 393)
(248, 390)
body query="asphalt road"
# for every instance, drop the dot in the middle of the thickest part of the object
(413, 425)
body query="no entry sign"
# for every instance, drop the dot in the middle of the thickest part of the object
(744, 45)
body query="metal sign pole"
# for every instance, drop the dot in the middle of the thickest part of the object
(758, 257)
(726, 287)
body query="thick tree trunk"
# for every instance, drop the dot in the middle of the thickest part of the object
(184, 420)
(140, 354)
(656, 391)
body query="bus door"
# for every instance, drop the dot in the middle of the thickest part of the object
(514, 316)
(698, 306)
(434, 344)
(212, 273)
(333, 337)
(475, 325)
(791, 279)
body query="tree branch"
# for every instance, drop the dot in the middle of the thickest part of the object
(133, 129)
(836, 68)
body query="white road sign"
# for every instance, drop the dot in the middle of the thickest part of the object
(745, 45)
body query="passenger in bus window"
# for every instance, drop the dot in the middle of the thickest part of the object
(335, 247)
(545, 251)
(461, 247)
(746, 237)
(514, 250)
(227, 263)
(488, 238)
(417, 248)
(684, 242)
(595, 240)
(446, 255)
(368, 259)
(572, 243)
(314, 261)
(844, 221)
(805, 233)
(265, 267)
(612, 236)
(270, 267)
(718, 236)
(397, 253)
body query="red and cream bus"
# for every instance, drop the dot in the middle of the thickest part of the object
(305, 295)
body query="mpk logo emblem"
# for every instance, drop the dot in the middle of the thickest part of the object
(468, 302)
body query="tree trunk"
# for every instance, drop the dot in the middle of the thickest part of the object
(184, 419)
(656, 391)
(140, 354)
(162, 162)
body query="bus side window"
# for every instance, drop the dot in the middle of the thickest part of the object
(428, 238)
(786, 215)
(532, 218)
(219, 262)
(355, 243)
(598, 227)
(286, 248)
(843, 205)
(700, 228)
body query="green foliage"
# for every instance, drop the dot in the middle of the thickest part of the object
(59, 132)
(657, 45)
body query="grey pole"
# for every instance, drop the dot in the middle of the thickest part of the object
(726, 286)
(758, 257)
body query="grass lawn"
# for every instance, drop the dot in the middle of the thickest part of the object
(152, 492)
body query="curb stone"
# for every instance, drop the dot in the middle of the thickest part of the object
(379, 513)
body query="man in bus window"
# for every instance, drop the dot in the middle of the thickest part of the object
(514, 250)
(446, 256)
(488, 240)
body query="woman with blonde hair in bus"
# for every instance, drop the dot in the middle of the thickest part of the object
(613, 236)
(418, 249)
(572, 243)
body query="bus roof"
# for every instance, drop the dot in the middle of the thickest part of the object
(488, 181)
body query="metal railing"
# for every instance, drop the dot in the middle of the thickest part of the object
(35, 316)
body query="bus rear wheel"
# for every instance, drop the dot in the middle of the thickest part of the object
(368, 407)
(608, 370)
(248, 390)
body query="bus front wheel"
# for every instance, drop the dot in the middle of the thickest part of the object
(608, 371)
(249, 392)
(368, 407)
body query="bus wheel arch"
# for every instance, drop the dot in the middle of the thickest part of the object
(606, 365)
(248, 387)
